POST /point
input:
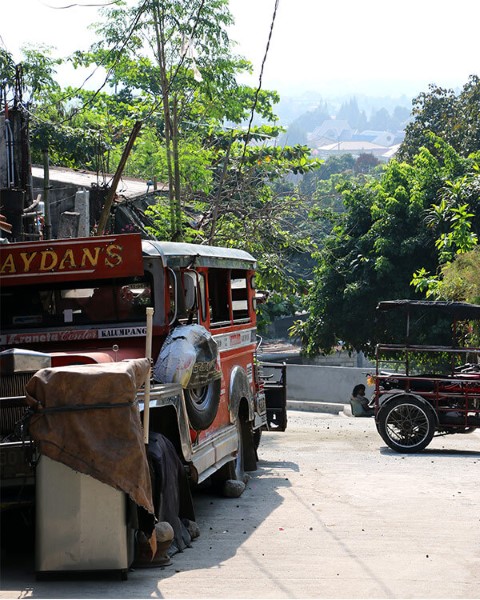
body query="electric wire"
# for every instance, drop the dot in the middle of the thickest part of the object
(101, 5)
(260, 81)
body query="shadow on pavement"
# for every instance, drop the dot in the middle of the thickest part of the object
(224, 523)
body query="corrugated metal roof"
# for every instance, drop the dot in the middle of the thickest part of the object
(128, 187)
(352, 146)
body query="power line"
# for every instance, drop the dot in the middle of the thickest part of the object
(101, 5)
(260, 81)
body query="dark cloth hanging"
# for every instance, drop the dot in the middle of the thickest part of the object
(172, 498)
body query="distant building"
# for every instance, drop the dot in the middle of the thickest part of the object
(381, 138)
(334, 137)
(331, 130)
(352, 147)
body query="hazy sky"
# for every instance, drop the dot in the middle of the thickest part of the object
(330, 46)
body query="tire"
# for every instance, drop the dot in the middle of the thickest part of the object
(245, 460)
(257, 436)
(237, 466)
(202, 404)
(406, 424)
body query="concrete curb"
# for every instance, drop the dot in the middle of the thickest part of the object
(315, 406)
(343, 410)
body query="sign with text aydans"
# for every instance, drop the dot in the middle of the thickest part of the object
(71, 259)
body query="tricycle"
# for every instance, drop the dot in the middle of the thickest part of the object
(427, 386)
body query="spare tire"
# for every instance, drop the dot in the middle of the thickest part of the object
(202, 404)
(189, 356)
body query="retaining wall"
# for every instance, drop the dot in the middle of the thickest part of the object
(324, 384)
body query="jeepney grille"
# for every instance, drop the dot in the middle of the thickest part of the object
(11, 408)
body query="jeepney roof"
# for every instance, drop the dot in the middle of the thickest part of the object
(179, 254)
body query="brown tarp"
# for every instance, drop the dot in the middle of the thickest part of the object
(85, 417)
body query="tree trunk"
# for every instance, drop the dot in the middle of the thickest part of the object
(178, 233)
(166, 111)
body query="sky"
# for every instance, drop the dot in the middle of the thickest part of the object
(373, 47)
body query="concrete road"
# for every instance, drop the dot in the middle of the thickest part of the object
(331, 512)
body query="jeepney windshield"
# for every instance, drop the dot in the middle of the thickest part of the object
(75, 303)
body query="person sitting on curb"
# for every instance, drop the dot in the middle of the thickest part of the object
(359, 403)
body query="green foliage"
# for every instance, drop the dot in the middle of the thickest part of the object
(159, 213)
(455, 119)
(333, 165)
(392, 226)
(32, 79)
(455, 221)
(460, 279)
(230, 185)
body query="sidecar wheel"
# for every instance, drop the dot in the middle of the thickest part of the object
(406, 424)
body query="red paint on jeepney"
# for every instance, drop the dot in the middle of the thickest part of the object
(71, 259)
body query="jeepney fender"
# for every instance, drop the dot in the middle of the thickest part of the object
(63, 359)
(170, 394)
(240, 388)
(223, 445)
(390, 395)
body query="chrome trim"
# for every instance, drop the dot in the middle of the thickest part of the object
(171, 394)
(175, 291)
(17, 360)
(213, 453)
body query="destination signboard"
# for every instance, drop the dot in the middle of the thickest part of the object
(73, 259)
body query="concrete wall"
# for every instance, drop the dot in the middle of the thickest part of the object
(324, 384)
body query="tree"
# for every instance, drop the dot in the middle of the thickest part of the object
(376, 245)
(456, 119)
(172, 62)
(177, 56)
(455, 219)
(33, 78)
(350, 112)
(222, 180)
(460, 278)
(400, 117)
(334, 164)
(251, 206)
(366, 163)
(381, 120)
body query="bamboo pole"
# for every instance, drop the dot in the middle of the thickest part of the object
(102, 223)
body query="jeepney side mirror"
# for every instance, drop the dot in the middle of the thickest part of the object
(190, 291)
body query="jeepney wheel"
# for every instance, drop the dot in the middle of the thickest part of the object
(202, 404)
(406, 424)
(257, 436)
(245, 459)
(235, 469)
(238, 465)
